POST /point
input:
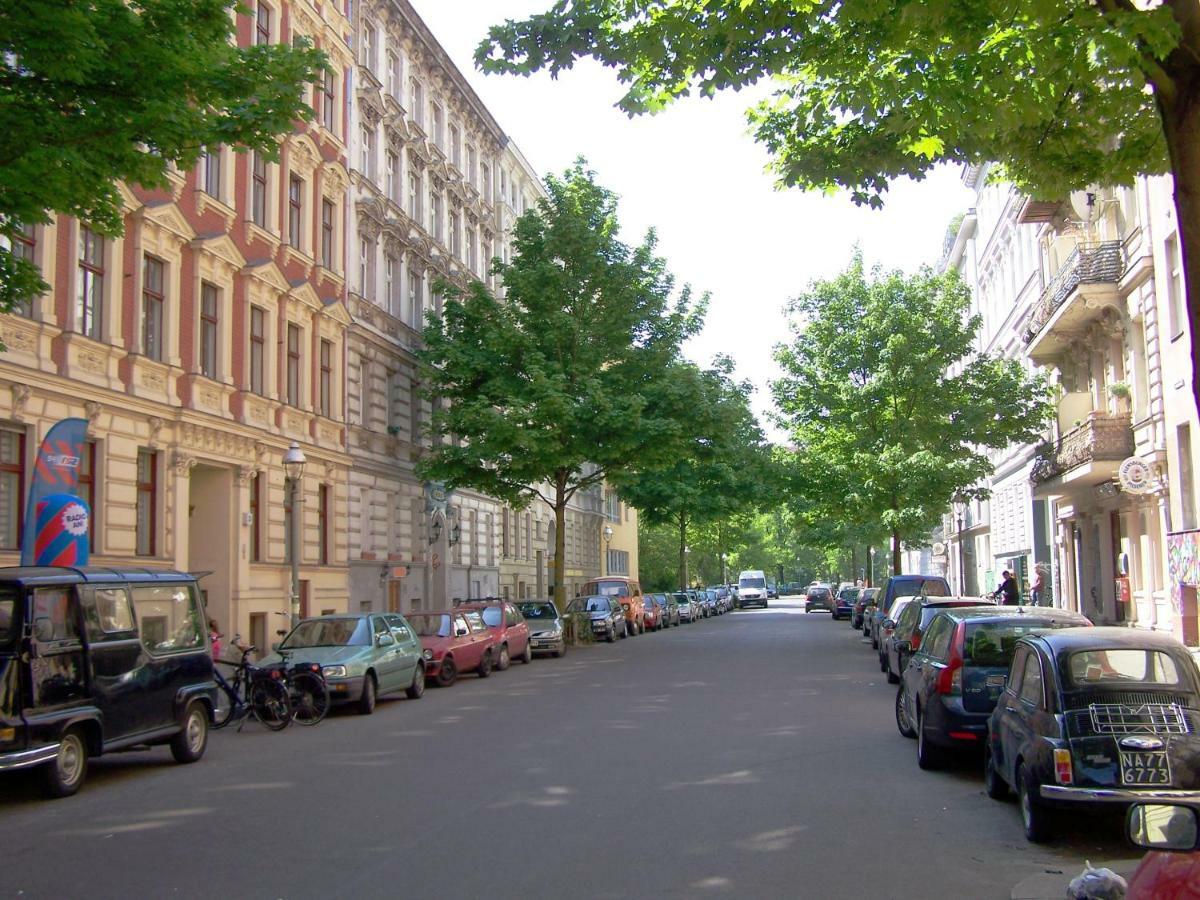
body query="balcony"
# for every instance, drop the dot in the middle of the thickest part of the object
(1087, 454)
(1084, 286)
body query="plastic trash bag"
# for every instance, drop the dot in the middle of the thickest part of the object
(1096, 884)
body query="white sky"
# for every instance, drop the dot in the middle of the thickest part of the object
(695, 175)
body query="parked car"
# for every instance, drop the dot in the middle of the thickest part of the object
(605, 614)
(668, 608)
(509, 629)
(628, 591)
(1094, 716)
(903, 586)
(752, 589)
(843, 604)
(363, 657)
(689, 610)
(820, 596)
(903, 638)
(546, 626)
(860, 605)
(454, 642)
(94, 660)
(652, 617)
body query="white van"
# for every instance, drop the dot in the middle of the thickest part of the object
(752, 589)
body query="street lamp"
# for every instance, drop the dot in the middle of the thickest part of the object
(608, 533)
(686, 580)
(871, 580)
(293, 470)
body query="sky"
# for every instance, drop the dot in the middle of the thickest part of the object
(695, 175)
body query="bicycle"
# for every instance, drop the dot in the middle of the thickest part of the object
(253, 691)
(307, 690)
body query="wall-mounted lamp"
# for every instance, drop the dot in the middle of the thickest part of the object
(435, 529)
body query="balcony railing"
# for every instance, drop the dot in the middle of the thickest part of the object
(1102, 437)
(1096, 263)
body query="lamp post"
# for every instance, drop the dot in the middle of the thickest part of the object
(293, 470)
(686, 580)
(608, 533)
(871, 579)
(962, 550)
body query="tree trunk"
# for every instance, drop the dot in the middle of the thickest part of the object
(560, 540)
(683, 554)
(870, 567)
(896, 552)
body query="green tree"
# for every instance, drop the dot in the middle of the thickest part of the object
(892, 408)
(1062, 93)
(97, 93)
(722, 467)
(566, 380)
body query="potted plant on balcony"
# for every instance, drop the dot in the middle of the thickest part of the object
(1121, 394)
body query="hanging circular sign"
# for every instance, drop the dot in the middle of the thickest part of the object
(1134, 476)
(939, 549)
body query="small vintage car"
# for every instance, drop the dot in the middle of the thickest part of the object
(453, 642)
(1094, 716)
(94, 660)
(362, 656)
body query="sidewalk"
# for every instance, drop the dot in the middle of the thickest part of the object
(1052, 885)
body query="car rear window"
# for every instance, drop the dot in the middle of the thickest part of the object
(8, 615)
(1121, 666)
(991, 644)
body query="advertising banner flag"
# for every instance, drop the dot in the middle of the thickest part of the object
(62, 531)
(55, 471)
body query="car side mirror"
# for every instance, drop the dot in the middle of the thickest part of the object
(43, 629)
(888, 623)
(1162, 826)
(384, 640)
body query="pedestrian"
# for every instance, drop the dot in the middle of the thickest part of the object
(214, 637)
(1037, 585)
(1008, 593)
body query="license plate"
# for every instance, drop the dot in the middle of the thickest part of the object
(1145, 767)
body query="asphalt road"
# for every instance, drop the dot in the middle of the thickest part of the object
(752, 756)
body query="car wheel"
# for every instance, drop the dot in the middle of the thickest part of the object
(189, 745)
(561, 652)
(505, 659)
(993, 785)
(366, 703)
(416, 690)
(891, 676)
(929, 757)
(902, 724)
(527, 656)
(875, 643)
(447, 673)
(882, 663)
(612, 634)
(484, 669)
(62, 776)
(1035, 818)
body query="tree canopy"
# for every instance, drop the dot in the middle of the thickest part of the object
(889, 405)
(566, 379)
(93, 94)
(1063, 94)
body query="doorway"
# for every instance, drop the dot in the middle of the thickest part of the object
(211, 535)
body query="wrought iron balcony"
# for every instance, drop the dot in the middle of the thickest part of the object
(1094, 263)
(1102, 437)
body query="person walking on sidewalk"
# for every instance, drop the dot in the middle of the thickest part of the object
(1037, 586)
(1008, 593)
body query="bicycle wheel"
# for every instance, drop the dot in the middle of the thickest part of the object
(226, 702)
(269, 701)
(310, 698)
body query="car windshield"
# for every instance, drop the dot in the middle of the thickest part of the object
(348, 632)
(992, 643)
(437, 625)
(610, 588)
(1121, 666)
(898, 607)
(538, 610)
(8, 615)
(753, 582)
(493, 616)
(589, 604)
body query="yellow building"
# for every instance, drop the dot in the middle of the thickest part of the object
(619, 536)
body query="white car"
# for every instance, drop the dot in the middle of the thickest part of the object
(752, 589)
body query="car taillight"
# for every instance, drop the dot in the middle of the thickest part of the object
(915, 641)
(1062, 767)
(949, 680)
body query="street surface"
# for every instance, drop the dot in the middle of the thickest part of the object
(753, 755)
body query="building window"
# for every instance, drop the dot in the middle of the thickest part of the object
(471, 167)
(366, 268)
(435, 214)
(147, 502)
(414, 412)
(295, 210)
(86, 490)
(1177, 315)
(389, 283)
(210, 172)
(456, 149)
(24, 246)
(328, 101)
(258, 346)
(89, 294)
(12, 488)
(368, 46)
(439, 130)
(323, 524)
(393, 74)
(416, 96)
(258, 191)
(209, 324)
(618, 562)
(255, 526)
(327, 233)
(472, 250)
(152, 307)
(416, 310)
(262, 25)
(454, 240)
(414, 196)
(1187, 481)
(393, 175)
(326, 379)
(293, 365)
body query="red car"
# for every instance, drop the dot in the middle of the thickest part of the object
(453, 642)
(652, 617)
(508, 627)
